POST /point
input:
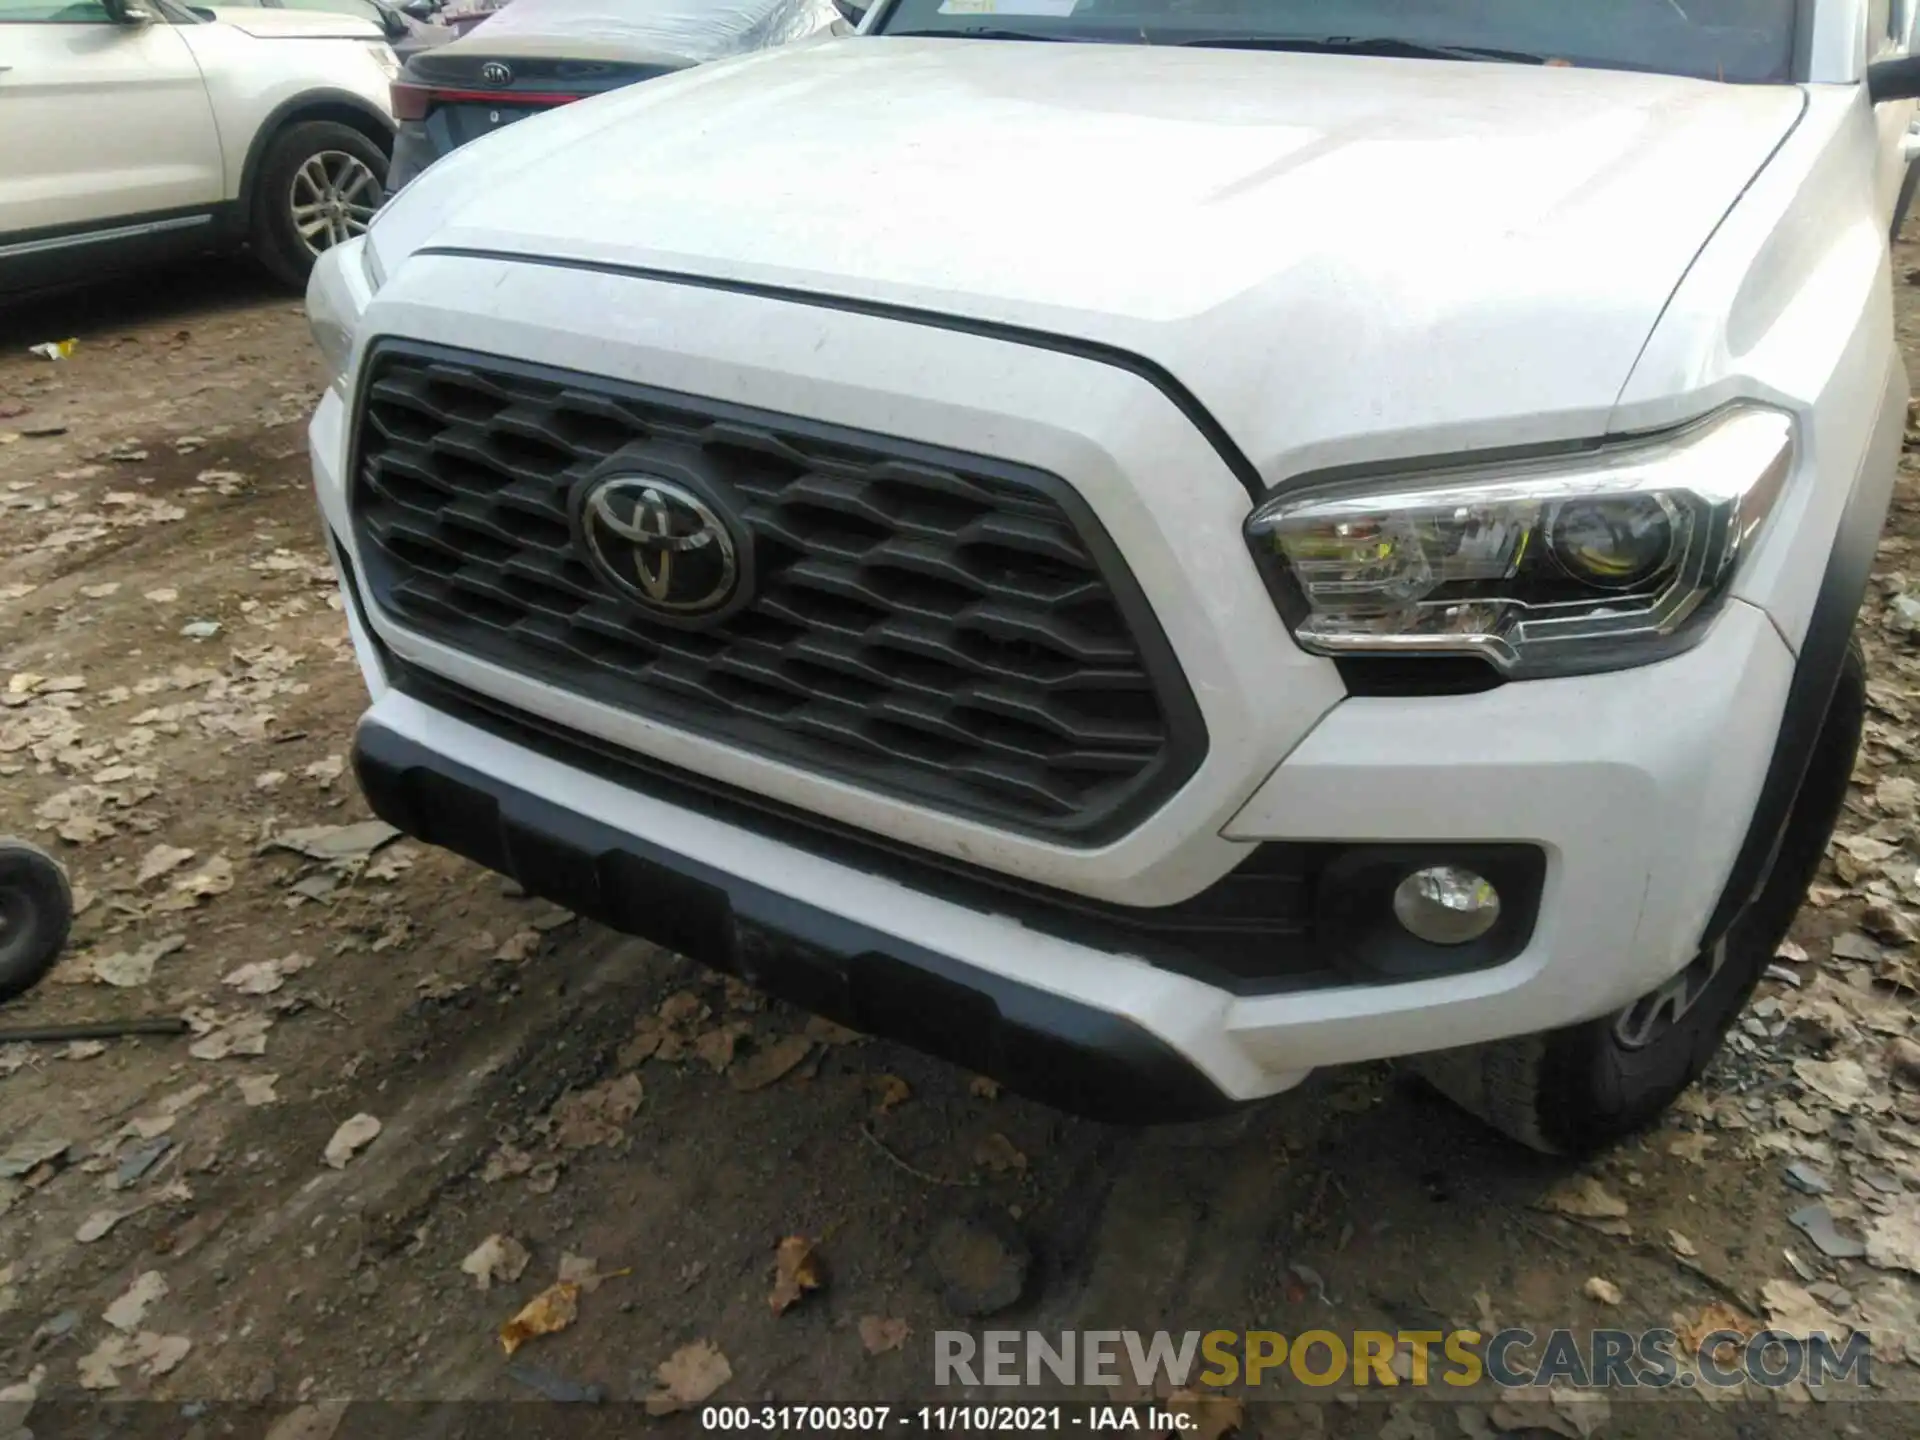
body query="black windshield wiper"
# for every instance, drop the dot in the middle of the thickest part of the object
(1351, 45)
(973, 33)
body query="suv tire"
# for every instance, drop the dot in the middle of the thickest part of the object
(36, 912)
(1576, 1090)
(318, 173)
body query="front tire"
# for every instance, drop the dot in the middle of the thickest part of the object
(1577, 1090)
(319, 184)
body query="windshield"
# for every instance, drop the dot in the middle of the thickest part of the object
(1738, 40)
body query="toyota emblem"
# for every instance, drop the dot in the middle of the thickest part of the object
(662, 547)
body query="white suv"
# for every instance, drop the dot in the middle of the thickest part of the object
(1082, 538)
(135, 129)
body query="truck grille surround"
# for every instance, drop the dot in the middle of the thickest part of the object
(930, 625)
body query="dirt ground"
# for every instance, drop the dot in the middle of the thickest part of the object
(176, 702)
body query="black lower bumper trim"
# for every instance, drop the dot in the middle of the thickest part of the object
(1073, 1056)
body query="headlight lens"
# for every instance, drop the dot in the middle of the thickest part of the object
(1542, 568)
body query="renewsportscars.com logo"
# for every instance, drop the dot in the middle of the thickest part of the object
(1610, 1359)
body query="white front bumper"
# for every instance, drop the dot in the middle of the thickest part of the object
(1620, 789)
(1637, 785)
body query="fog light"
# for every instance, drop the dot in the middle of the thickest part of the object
(1446, 905)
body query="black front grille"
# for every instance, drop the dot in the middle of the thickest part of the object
(926, 624)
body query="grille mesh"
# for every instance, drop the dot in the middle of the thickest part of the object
(928, 625)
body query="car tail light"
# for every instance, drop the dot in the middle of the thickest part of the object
(410, 102)
(414, 102)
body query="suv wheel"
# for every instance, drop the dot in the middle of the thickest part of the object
(1575, 1090)
(319, 184)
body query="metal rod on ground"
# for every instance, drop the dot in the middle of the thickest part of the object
(95, 1029)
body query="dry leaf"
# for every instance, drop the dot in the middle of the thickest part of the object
(505, 1163)
(998, 1154)
(1526, 1412)
(126, 1312)
(596, 1116)
(716, 1046)
(1892, 1313)
(179, 1101)
(1718, 1316)
(1893, 1239)
(796, 1270)
(258, 1089)
(770, 1062)
(1682, 1246)
(649, 1035)
(983, 1088)
(1792, 1116)
(145, 1127)
(98, 1224)
(683, 1007)
(352, 1137)
(1854, 946)
(213, 878)
(498, 1257)
(127, 969)
(335, 842)
(518, 946)
(823, 1031)
(880, 1334)
(553, 1309)
(159, 860)
(159, 1354)
(688, 1376)
(1843, 1083)
(1585, 1410)
(1865, 848)
(325, 771)
(586, 1273)
(244, 1036)
(1791, 1310)
(97, 1367)
(263, 977)
(889, 1091)
(1604, 1291)
(1583, 1198)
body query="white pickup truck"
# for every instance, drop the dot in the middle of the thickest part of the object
(1150, 547)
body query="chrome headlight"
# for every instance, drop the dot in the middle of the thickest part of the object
(344, 279)
(1557, 567)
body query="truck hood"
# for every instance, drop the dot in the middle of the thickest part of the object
(296, 24)
(1340, 257)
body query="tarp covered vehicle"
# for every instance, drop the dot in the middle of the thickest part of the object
(536, 54)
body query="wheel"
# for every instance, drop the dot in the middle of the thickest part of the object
(319, 184)
(1576, 1090)
(36, 909)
